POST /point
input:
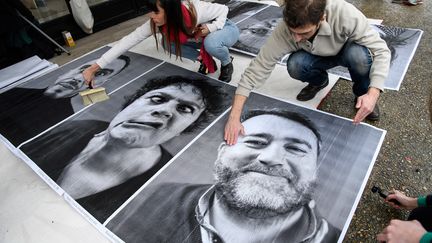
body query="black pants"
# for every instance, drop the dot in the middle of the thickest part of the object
(423, 215)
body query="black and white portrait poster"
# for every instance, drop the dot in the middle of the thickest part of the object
(402, 43)
(150, 164)
(241, 10)
(38, 104)
(295, 175)
(256, 29)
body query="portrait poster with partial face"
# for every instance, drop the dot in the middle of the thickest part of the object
(241, 10)
(100, 156)
(274, 185)
(30, 108)
(402, 43)
(255, 30)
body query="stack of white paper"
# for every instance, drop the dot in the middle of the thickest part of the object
(23, 71)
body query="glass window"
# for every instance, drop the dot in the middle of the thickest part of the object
(46, 10)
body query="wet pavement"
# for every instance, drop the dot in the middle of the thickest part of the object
(404, 161)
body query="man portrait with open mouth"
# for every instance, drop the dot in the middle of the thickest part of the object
(101, 165)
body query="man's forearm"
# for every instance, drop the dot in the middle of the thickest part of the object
(237, 107)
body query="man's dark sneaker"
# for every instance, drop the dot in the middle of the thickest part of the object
(309, 92)
(203, 68)
(226, 72)
(374, 115)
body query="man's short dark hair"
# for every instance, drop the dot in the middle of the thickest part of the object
(299, 13)
(290, 115)
(212, 95)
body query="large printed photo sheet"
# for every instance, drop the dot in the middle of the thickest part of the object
(150, 164)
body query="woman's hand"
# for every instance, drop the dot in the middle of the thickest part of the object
(399, 231)
(203, 30)
(405, 201)
(89, 74)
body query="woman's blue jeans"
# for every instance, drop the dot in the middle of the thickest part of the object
(312, 69)
(216, 44)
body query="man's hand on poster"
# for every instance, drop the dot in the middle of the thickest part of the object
(233, 128)
(399, 231)
(366, 104)
(89, 74)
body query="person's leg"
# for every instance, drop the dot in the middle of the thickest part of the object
(312, 69)
(423, 215)
(189, 50)
(358, 60)
(217, 44)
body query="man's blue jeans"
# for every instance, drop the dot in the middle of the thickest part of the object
(310, 68)
(215, 43)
